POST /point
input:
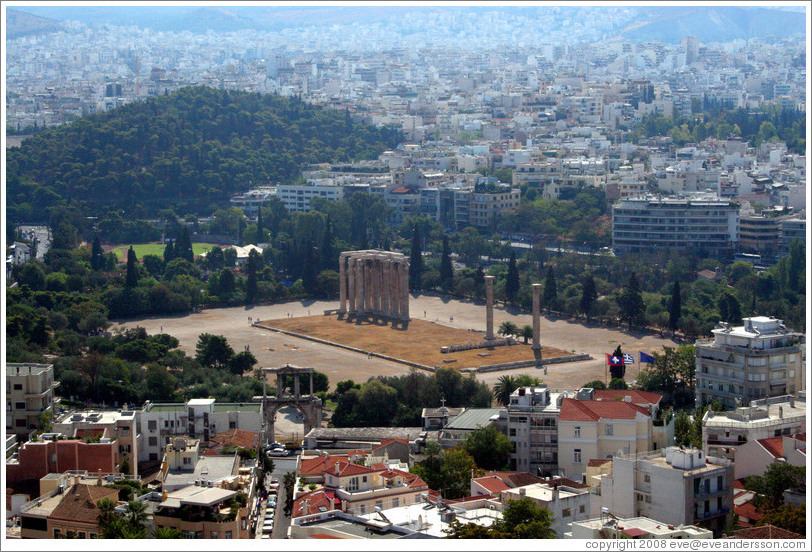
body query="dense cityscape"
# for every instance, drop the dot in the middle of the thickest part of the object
(391, 272)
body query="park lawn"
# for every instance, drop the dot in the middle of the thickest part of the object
(142, 249)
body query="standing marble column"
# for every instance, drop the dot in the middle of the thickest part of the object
(404, 297)
(394, 289)
(376, 285)
(360, 291)
(536, 316)
(342, 284)
(385, 291)
(489, 307)
(351, 285)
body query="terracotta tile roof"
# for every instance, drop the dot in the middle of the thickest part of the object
(491, 484)
(80, 503)
(800, 436)
(765, 532)
(578, 411)
(638, 397)
(773, 445)
(470, 498)
(315, 500)
(596, 462)
(318, 464)
(747, 510)
(568, 482)
(738, 483)
(520, 479)
(346, 469)
(389, 441)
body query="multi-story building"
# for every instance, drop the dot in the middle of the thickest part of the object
(105, 426)
(297, 197)
(755, 457)
(252, 200)
(723, 433)
(29, 396)
(739, 364)
(611, 527)
(486, 205)
(458, 429)
(532, 427)
(703, 224)
(674, 485)
(760, 234)
(592, 429)
(567, 504)
(203, 512)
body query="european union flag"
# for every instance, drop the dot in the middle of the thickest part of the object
(646, 358)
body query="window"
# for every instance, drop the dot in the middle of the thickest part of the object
(363, 509)
(581, 509)
(566, 512)
(364, 479)
(512, 432)
(646, 478)
(187, 461)
(214, 534)
(94, 536)
(610, 430)
(19, 406)
(18, 386)
(577, 431)
(228, 534)
(395, 502)
(353, 484)
(232, 425)
(153, 441)
(124, 431)
(20, 422)
(57, 533)
(576, 456)
(379, 504)
(82, 535)
(152, 425)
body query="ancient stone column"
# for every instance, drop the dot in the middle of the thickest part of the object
(376, 285)
(368, 291)
(385, 291)
(489, 307)
(351, 285)
(394, 287)
(342, 284)
(404, 281)
(360, 289)
(536, 316)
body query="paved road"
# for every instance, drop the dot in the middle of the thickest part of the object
(272, 349)
(282, 521)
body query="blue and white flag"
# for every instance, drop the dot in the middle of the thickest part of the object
(628, 358)
(646, 358)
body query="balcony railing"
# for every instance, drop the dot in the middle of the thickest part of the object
(702, 494)
(712, 514)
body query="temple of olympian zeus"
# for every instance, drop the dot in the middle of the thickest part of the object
(374, 282)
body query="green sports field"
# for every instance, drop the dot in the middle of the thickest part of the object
(142, 249)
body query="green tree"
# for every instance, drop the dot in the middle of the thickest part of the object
(770, 487)
(489, 448)
(251, 267)
(521, 519)
(797, 262)
(675, 307)
(97, 255)
(377, 403)
(618, 383)
(455, 472)
(589, 294)
(729, 308)
(106, 511)
(213, 350)
(242, 362)
(526, 333)
(672, 374)
(791, 517)
(215, 259)
(512, 279)
(550, 297)
(446, 268)
(136, 514)
(597, 385)
(631, 304)
(132, 270)
(508, 328)
(502, 389)
(260, 237)
(166, 533)
(416, 262)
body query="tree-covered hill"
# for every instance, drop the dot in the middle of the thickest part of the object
(188, 150)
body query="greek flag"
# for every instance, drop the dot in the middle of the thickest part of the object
(628, 358)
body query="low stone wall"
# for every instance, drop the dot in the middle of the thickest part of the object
(528, 363)
(347, 347)
(479, 345)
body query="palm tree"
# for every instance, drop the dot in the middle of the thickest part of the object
(136, 514)
(120, 528)
(508, 328)
(503, 388)
(526, 333)
(107, 509)
(166, 533)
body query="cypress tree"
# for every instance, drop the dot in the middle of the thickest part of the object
(416, 262)
(260, 230)
(310, 270)
(589, 294)
(183, 248)
(446, 268)
(169, 252)
(630, 301)
(251, 277)
(512, 280)
(617, 372)
(675, 307)
(550, 297)
(479, 281)
(132, 272)
(328, 261)
(97, 255)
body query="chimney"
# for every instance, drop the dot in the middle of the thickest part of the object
(336, 467)
(780, 411)
(164, 496)
(627, 398)
(76, 480)
(522, 491)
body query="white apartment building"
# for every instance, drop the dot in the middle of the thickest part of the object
(674, 485)
(723, 433)
(485, 206)
(297, 197)
(251, 200)
(197, 418)
(533, 429)
(567, 504)
(29, 395)
(739, 364)
(611, 527)
(699, 223)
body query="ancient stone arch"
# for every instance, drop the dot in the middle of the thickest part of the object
(308, 404)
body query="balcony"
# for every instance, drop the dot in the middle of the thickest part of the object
(712, 514)
(703, 494)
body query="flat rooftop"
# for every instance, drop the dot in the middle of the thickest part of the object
(210, 468)
(543, 492)
(652, 526)
(237, 407)
(758, 415)
(425, 519)
(353, 529)
(172, 407)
